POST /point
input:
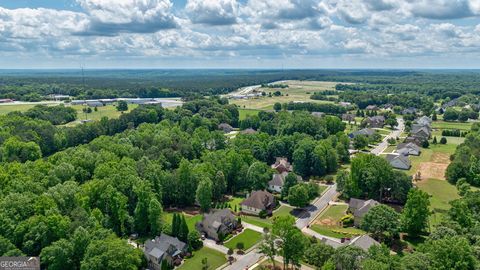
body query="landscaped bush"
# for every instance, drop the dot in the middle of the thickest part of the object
(347, 220)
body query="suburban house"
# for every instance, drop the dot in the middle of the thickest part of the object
(408, 149)
(399, 161)
(424, 121)
(375, 121)
(416, 140)
(278, 180)
(217, 223)
(94, 103)
(282, 165)
(422, 131)
(410, 110)
(359, 208)
(257, 202)
(248, 131)
(318, 114)
(348, 117)
(367, 132)
(371, 108)
(226, 128)
(276, 184)
(363, 241)
(387, 106)
(164, 247)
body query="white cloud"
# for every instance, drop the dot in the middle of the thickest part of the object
(213, 12)
(107, 17)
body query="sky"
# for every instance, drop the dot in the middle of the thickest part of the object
(239, 34)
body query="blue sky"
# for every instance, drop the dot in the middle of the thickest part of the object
(240, 33)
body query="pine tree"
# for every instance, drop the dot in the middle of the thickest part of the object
(434, 141)
(183, 229)
(175, 225)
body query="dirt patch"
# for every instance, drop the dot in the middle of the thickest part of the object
(432, 170)
(440, 158)
(326, 222)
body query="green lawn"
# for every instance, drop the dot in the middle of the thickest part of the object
(235, 202)
(322, 189)
(248, 237)
(7, 108)
(267, 222)
(243, 113)
(108, 111)
(442, 193)
(191, 220)
(214, 259)
(335, 212)
(451, 125)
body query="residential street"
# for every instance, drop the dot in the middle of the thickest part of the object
(394, 134)
(314, 209)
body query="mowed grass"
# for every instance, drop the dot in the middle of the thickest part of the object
(298, 91)
(8, 108)
(248, 237)
(108, 111)
(243, 113)
(334, 213)
(452, 125)
(267, 222)
(235, 203)
(214, 259)
(190, 220)
(442, 193)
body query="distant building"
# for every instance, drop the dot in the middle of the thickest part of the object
(421, 131)
(348, 117)
(367, 132)
(410, 110)
(400, 162)
(282, 165)
(416, 140)
(344, 104)
(78, 102)
(248, 131)
(217, 223)
(318, 114)
(226, 128)
(94, 103)
(408, 149)
(359, 208)
(257, 202)
(58, 97)
(424, 121)
(375, 121)
(372, 108)
(6, 100)
(164, 247)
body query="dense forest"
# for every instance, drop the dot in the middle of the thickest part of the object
(34, 85)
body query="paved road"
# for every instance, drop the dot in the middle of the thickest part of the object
(394, 134)
(314, 209)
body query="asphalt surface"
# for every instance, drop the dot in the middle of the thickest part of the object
(394, 134)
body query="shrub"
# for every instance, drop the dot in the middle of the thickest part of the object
(347, 220)
(240, 245)
(443, 140)
(329, 179)
(262, 214)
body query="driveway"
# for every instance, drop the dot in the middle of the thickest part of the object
(394, 134)
(310, 212)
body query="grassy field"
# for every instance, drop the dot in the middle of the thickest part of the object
(191, 220)
(5, 109)
(332, 215)
(451, 125)
(214, 259)
(442, 193)
(109, 111)
(267, 222)
(235, 203)
(297, 91)
(243, 113)
(248, 237)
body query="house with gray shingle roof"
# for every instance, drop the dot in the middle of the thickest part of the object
(282, 165)
(257, 202)
(424, 120)
(367, 132)
(400, 162)
(364, 242)
(164, 247)
(359, 208)
(226, 128)
(217, 223)
(375, 121)
(408, 149)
